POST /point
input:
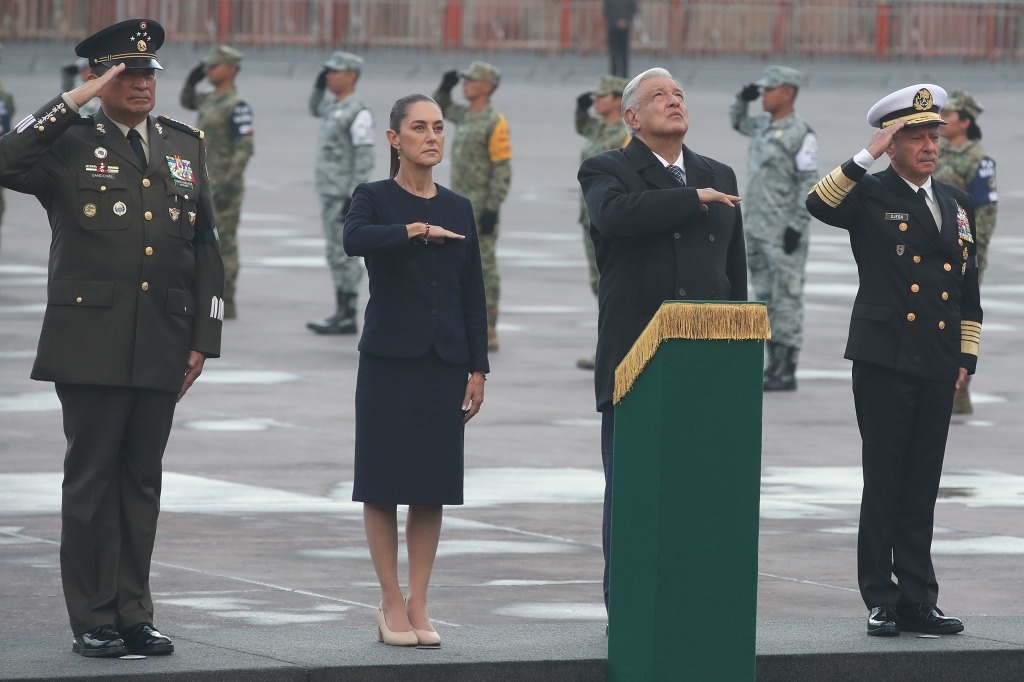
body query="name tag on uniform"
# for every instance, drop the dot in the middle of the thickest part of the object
(897, 216)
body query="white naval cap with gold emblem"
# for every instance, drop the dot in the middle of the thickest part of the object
(916, 104)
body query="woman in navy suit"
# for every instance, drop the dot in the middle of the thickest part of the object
(422, 362)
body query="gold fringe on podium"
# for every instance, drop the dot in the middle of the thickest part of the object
(734, 321)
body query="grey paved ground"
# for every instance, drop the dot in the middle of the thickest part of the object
(258, 536)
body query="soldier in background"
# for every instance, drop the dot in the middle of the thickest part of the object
(964, 164)
(481, 166)
(6, 114)
(782, 166)
(344, 159)
(74, 74)
(603, 132)
(226, 121)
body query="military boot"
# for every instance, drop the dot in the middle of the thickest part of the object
(784, 378)
(343, 321)
(492, 329)
(962, 401)
(774, 351)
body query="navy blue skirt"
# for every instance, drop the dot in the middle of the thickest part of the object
(409, 431)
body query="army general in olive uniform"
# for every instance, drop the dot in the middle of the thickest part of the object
(226, 119)
(481, 166)
(133, 310)
(782, 166)
(914, 338)
(964, 164)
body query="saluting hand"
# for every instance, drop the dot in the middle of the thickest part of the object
(882, 138)
(193, 368)
(93, 85)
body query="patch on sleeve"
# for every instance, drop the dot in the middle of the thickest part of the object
(500, 144)
(806, 158)
(361, 129)
(241, 121)
(983, 187)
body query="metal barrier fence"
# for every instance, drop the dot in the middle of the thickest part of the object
(883, 29)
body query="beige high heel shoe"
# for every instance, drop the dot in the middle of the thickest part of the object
(393, 638)
(425, 637)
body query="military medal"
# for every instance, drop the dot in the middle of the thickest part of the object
(963, 225)
(89, 210)
(100, 152)
(900, 249)
(181, 171)
(174, 214)
(192, 217)
(120, 209)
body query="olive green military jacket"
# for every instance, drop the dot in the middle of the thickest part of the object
(135, 274)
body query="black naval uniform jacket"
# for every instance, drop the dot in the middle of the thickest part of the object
(654, 242)
(918, 309)
(135, 274)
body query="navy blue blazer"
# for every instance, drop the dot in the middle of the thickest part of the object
(918, 308)
(656, 242)
(421, 295)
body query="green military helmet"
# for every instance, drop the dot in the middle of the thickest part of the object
(961, 100)
(482, 71)
(344, 61)
(608, 84)
(776, 75)
(223, 54)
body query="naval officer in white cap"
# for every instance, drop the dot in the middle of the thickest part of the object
(913, 340)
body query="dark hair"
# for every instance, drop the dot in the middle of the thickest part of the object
(398, 113)
(973, 131)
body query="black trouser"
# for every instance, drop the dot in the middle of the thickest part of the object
(110, 501)
(903, 424)
(618, 49)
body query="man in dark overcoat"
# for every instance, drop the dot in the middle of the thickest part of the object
(913, 340)
(134, 307)
(666, 225)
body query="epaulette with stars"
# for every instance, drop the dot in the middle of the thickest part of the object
(184, 127)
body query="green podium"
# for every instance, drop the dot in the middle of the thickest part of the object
(687, 470)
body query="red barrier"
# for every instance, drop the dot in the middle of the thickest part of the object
(882, 30)
(453, 24)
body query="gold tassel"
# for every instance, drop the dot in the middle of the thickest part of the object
(684, 320)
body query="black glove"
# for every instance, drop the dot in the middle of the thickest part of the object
(488, 221)
(448, 80)
(750, 92)
(584, 101)
(344, 208)
(196, 74)
(69, 69)
(790, 240)
(321, 80)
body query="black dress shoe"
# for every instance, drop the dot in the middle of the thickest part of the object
(143, 638)
(883, 622)
(927, 618)
(101, 642)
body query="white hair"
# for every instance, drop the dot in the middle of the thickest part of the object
(631, 94)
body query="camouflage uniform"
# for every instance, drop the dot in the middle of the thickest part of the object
(482, 171)
(969, 168)
(344, 159)
(781, 168)
(6, 112)
(227, 123)
(601, 137)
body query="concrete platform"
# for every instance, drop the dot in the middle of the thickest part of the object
(260, 570)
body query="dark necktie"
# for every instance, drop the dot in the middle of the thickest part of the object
(676, 173)
(135, 140)
(923, 195)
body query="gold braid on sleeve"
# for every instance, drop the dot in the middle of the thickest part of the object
(834, 187)
(970, 337)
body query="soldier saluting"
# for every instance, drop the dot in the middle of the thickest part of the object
(133, 310)
(913, 340)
